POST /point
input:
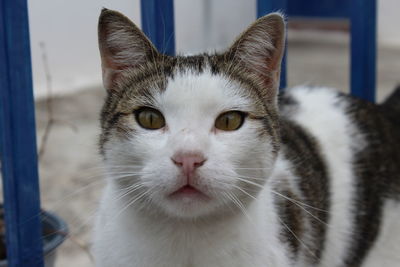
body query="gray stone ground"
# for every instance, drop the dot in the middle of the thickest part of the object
(71, 179)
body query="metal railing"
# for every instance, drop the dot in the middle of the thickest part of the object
(18, 139)
(362, 17)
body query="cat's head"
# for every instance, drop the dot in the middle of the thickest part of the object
(190, 136)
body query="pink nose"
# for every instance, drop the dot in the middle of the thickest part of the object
(188, 162)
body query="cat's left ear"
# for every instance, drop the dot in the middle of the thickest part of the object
(122, 46)
(259, 51)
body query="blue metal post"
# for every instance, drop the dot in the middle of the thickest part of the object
(158, 24)
(363, 49)
(18, 139)
(267, 6)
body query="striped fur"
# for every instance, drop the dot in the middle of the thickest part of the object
(311, 178)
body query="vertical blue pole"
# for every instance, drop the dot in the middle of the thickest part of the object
(267, 6)
(17, 139)
(363, 49)
(158, 24)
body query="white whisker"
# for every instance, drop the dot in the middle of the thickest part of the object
(297, 238)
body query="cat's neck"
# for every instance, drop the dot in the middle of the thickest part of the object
(256, 227)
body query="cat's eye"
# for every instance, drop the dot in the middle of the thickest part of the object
(230, 121)
(150, 118)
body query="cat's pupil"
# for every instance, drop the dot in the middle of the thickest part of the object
(230, 121)
(149, 118)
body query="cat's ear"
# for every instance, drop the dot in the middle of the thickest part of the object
(259, 51)
(122, 46)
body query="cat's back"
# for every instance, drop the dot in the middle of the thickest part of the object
(358, 144)
(351, 128)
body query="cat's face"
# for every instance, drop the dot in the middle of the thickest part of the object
(190, 136)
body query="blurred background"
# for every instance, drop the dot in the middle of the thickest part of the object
(66, 68)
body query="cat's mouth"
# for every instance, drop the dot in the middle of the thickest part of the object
(188, 191)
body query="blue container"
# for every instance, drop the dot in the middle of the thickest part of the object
(55, 231)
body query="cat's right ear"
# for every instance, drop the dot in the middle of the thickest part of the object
(122, 46)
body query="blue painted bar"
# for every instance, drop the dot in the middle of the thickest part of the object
(267, 6)
(158, 24)
(319, 8)
(362, 15)
(363, 49)
(18, 139)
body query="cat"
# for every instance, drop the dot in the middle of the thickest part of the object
(208, 165)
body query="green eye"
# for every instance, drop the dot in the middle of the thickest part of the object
(230, 121)
(150, 118)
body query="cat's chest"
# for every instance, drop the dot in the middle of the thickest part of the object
(135, 242)
(196, 256)
(170, 251)
(192, 249)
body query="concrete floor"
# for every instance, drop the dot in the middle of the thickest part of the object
(71, 180)
(70, 170)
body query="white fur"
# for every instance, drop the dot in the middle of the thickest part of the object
(324, 116)
(386, 250)
(134, 240)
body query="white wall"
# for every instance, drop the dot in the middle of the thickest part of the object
(208, 25)
(389, 23)
(69, 31)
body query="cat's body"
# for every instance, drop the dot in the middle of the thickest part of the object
(355, 182)
(315, 183)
